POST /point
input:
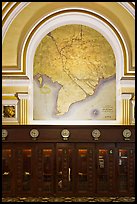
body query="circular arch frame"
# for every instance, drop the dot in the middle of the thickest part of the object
(74, 16)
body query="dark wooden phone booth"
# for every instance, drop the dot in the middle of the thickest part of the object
(68, 160)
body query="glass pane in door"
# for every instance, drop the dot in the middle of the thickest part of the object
(47, 170)
(64, 170)
(59, 170)
(27, 154)
(82, 170)
(6, 169)
(103, 169)
(123, 169)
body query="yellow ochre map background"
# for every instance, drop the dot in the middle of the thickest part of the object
(74, 76)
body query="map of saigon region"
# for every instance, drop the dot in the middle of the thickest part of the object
(74, 76)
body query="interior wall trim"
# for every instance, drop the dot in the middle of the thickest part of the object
(20, 70)
(9, 12)
(129, 6)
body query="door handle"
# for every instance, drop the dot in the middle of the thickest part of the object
(69, 174)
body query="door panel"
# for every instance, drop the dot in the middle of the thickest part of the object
(24, 169)
(8, 172)
(45, 168)
(85, 165)
(125, 168)
(105, 168)
(64, 168)
(27, 168)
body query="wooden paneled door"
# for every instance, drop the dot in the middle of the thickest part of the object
(75, 167)
(105, 169)
(85, 169)
(45, 168)
(125, 172)
(65, 158)
(8, 170)
(24, 162)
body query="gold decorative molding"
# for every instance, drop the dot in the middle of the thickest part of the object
(128, 90)
(23, 108)
(128, 77)
(126, 108)
(22, 56)
(18, 77)
(126, 120)
(9, 97)
(4, 4)
(23, 111)
(8, 9)
(10, 123)
(14, 89)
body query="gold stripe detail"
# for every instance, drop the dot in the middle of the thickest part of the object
(130, 90)
(23, 112)
(10, 11)
(26, 108)
(123, 111)
(126, 73)
(20, 112)
(14, 89)
(126, 112)
(6, 7)
(128, 77)
(12, 68)
(9, 98)
(22, 119)
(3, 5)
(15, 77)
(10, 123)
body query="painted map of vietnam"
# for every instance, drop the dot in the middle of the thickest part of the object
(77, 58)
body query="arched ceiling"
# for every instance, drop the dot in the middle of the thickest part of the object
(20, 17)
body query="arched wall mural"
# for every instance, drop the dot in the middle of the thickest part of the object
(70, 109)
(74, 76)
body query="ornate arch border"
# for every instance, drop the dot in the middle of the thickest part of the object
(20, 70)
(74, 16)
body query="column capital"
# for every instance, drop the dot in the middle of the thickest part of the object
(126, 96)
(22, 95)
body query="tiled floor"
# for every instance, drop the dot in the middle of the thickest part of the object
(70, 199)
